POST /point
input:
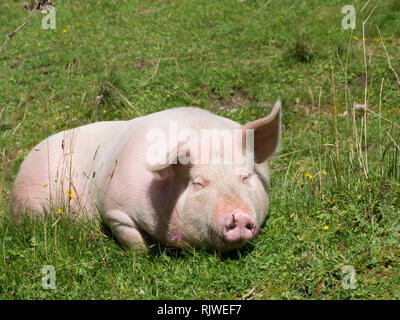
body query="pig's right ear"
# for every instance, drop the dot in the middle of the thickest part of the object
(266, 133)
(164, 167)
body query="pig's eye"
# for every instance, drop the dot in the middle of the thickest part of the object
(199, 182)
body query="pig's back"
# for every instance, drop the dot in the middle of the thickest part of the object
(77, 161)
(190, 117)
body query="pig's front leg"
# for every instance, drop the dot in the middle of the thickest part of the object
(125, 230)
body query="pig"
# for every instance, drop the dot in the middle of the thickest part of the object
(144, 187)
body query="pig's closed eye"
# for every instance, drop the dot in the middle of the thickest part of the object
(199, 182)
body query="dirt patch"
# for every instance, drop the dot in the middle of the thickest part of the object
(148, 11)
(141, 64)
(239, 99)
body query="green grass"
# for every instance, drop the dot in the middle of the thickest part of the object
(122, 59)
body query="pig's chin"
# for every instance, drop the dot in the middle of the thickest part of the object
(218, 241)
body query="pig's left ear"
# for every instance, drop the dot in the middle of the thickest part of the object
(266, 133)
(165, 168)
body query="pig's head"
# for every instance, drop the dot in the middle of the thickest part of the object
(220, 204)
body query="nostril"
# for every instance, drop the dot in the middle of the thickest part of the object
(250, 226)
(232, 226)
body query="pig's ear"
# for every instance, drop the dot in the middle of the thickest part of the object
(266, 133)
(165, 168)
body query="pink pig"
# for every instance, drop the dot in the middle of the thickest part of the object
(157, 176)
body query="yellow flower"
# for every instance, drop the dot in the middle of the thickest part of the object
(285, 138)
(45, 185)
(69, 192)
(309, 176)
(281, 16)
(104, 111)
(324, 173)
(302, 170)
(355, 38)
(59, 211)
(168, 95)
(302, 183)
(65, 31)
(326, 227)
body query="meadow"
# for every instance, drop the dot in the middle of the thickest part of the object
(333, 230)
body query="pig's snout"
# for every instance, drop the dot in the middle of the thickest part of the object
(238, 227)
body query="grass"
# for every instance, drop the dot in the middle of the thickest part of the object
(335, 197)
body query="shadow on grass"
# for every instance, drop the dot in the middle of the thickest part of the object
(32, 229)
(158, 249)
